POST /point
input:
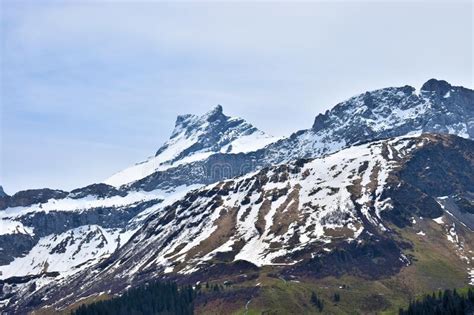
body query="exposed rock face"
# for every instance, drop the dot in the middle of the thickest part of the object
(55, 222)
(28, 197)
(2, 192)
(215, 168)
(437, 170)
(439, 87)
(15, 245)
(97, 190)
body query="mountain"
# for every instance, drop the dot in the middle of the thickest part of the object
(89, 223)
(53, 234)
(390, 112)
(52, 238)
(437, 107)
(351, 212)
(195, 138)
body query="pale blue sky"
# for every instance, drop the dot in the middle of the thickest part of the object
(89, 88)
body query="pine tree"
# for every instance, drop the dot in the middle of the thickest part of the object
(152, 299)
(447, 302)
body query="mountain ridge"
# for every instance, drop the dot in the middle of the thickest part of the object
(300, 217)
(51, 223)
(297, 139)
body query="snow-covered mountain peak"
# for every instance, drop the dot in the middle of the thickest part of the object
(189, 124)
(438, 107)
(392, 109)
(211, 133)
(189, 121)
(195, 138)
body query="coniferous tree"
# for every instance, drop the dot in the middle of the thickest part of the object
(151, 299)
(446, 303)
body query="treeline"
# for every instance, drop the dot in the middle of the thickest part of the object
(154, 299)
(444, 303)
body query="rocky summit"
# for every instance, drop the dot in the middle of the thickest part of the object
(195, 138)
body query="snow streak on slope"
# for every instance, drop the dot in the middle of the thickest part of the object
(267, 216)
(67, 252)
(76, 249)
(82, 204)
(8, 226)
(89, 202)
(196, 138)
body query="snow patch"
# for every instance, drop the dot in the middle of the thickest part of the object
(439, 220)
